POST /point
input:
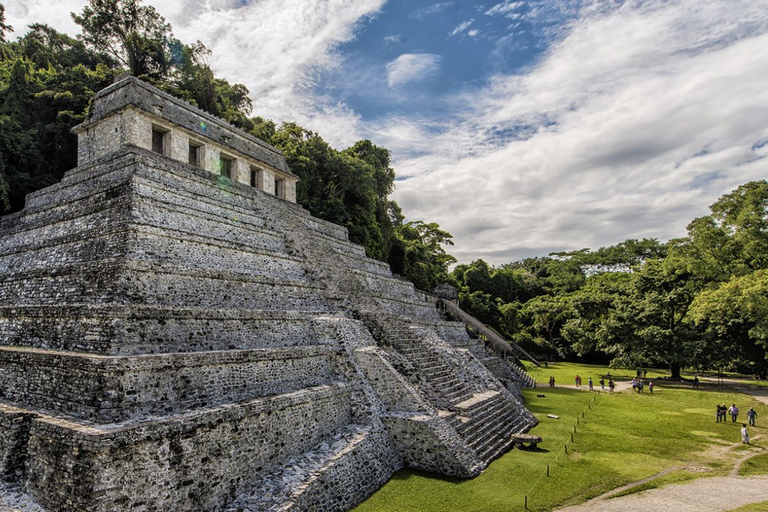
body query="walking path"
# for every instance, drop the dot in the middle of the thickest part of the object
(714, 494)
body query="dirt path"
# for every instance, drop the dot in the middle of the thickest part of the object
(714, 494)
(717, 494)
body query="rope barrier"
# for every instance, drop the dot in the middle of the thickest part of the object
(563, 450)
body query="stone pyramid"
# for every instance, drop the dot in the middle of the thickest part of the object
(177, 334)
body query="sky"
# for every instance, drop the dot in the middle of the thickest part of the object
(521, 127)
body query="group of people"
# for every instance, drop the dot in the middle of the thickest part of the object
(638, 385)
(578, 381)
(722, 411)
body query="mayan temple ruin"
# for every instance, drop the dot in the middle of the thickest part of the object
(177, 334)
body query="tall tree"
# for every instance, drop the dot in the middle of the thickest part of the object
(3, 27)
(137, 36)
(736, 313)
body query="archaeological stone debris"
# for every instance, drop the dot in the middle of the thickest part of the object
(177, 334)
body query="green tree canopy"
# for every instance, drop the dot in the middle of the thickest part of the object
(137, 36)
(736, 313)
(3, 27)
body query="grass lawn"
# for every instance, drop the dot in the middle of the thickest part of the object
(755, 507)
(565, 373)
(623, 437)
(755, 466)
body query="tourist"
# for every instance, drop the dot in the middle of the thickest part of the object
(650, 387)
(695, 382)
(589, 381)
(734, 413)
(723, 411)
(645, 373)
(634, 384)
(751, 416)
(611, 385)
(602, 383)
(718, 412)
(551, 382)
(640, 386)
(744, 434)
(578, 381)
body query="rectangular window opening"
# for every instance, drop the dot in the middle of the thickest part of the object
(280, 188)
(225, 166)
(254, 177)
(195, 154)
(159, 140)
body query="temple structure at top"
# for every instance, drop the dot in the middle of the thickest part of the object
(133, 113)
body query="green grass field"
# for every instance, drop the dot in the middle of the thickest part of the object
(622, 438)
(755, 507)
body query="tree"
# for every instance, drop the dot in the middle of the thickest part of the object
(545, 317)
(425, 262)
(3, 27)
(136, 36)
(588, 331)
(648, 324)
(733, 239)
(736, 313)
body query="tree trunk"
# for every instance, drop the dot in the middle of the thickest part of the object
(674, 368)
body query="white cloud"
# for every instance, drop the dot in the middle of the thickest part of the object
(473, 33)
(639, 116)
(276, 47)
(412, 67)
(634, 123)
(397, 38)
(503, 8)
(464, 25)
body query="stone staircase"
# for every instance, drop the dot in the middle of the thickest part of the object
(483, 416)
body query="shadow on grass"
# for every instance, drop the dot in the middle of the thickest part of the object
(405, 474)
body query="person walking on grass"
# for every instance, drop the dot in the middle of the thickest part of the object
(751, 416)
(695, 382)
(650, 387)
(744, 434)
(589, 381)
(602, 383)
(611, 385)
(734, 413)
(718, 412)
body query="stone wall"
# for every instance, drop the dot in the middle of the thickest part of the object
(198, 461)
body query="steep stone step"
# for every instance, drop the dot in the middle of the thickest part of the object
(155, 385)
(118, 329)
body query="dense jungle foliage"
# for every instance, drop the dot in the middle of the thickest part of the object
(697, 301)
(701, 300)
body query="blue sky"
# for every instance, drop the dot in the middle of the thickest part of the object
(522, 127)
(413, 53)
